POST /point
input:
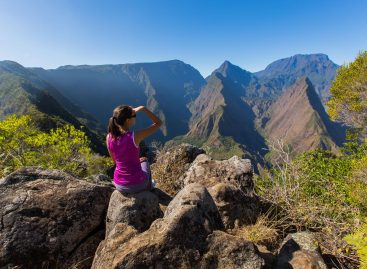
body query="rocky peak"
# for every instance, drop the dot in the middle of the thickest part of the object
(233, 72)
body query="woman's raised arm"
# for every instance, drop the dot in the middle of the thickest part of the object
(142, 134)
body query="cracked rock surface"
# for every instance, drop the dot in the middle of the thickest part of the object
(188, 236)
(50, 219)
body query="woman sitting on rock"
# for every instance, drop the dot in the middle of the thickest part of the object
(132, 174)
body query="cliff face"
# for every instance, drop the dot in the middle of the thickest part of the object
(167, 88)
(299, 119)
(220, 110)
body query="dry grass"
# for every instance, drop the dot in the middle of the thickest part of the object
(263, 232)
(166, 181)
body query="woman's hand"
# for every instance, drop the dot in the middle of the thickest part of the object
(138, 109)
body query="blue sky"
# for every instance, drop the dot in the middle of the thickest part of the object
(250, 34)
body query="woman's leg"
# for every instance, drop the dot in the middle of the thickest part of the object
(146, 169)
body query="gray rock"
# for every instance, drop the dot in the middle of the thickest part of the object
(235, 207)
(99, 178)
(230, 184)
(82, 256)
(175, 241)
(300, 251)
(230, 252)
(138, 210)
(46, 215)
(210, 172)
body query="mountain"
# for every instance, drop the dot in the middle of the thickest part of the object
(298, 118)
(237, 111)
(167, 88)
(284, 72)
(220, 117)
(232, 111)
(22, 92)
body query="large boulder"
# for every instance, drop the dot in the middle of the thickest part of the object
(228, 251)
(300, 251)
(50, 219)
(178, 240)
(230, 184)
(209, 172)
(235, 207)
(171, 164)
(138, 210)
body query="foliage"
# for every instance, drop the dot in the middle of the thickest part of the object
(348, 101)
(64, 148)
(320, 191)
(359, 240)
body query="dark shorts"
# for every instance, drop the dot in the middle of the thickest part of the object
(144, 186)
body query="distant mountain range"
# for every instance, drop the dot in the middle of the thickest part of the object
(284, 72)
(167, 88)
(232, 111)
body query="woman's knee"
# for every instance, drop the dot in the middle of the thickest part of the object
(143, 159)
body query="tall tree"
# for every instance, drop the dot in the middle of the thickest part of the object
(348, 101)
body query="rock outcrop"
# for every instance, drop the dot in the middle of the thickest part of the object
(50, 219)
(137, 210)
(228, 251)
(235, 207)
(171, 164)
(300, 251)
(209, 172)
(184, 238)
(230, 184)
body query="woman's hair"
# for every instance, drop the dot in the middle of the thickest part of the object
(119, 115)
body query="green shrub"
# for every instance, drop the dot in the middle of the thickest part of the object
(320, 191)
(64, 148)
(358, 239)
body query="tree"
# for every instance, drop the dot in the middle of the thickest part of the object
(348, 101)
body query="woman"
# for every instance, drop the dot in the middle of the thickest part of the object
(132, 174)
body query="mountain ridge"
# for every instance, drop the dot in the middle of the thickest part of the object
(157, 85)
(228, 109)
(299, 119)
(22, 93)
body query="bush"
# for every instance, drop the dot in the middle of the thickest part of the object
(359, 240)
(64, 148)
(322, 192)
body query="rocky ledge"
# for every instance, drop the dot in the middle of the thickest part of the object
(50, 219)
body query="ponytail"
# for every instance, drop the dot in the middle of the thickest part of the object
(113, 128)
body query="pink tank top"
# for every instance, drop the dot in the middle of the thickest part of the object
(126, 154)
